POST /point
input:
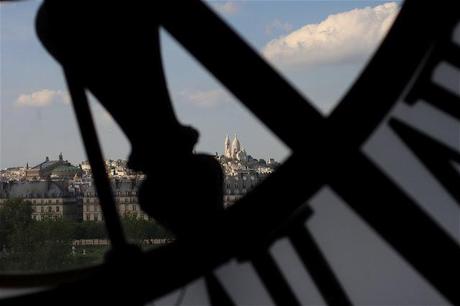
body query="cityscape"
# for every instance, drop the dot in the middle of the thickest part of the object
(55, 188)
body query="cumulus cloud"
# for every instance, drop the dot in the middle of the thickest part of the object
(42, 98)
(228, 7)
(345, 37)
(205, 98)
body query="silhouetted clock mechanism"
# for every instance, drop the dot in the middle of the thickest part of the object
(233, 261)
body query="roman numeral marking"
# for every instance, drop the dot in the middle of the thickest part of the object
(320, 270)
(273, 279)
(194, 293)
(242, 284)
(434, 92)
(437, 157)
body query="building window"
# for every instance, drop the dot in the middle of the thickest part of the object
(57, 208)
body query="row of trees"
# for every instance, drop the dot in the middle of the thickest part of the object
(28, 245)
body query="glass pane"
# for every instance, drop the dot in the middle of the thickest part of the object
(45, 174)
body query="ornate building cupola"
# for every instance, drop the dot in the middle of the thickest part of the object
(235, 146)
(227, 148)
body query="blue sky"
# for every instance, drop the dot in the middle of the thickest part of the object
(320, 60)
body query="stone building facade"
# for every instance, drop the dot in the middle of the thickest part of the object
(125, 192)
(49, 199)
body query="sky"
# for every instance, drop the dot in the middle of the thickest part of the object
(319, 46)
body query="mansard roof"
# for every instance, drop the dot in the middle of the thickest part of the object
(118, 187)
(46, 164)
(34, 189)
(65, 168)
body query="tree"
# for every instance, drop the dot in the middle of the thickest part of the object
(30, 245)
(15, 216)
(137, 229)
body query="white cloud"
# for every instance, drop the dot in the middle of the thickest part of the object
(228, 7)
(42, 98)
(341, 38)
(205, 98)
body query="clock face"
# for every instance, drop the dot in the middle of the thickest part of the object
(388, 155)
